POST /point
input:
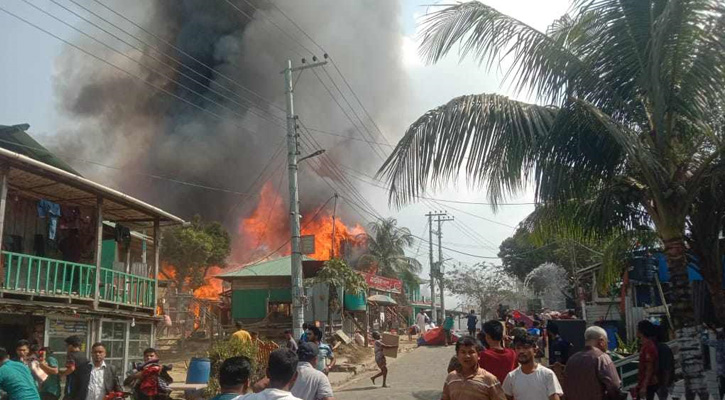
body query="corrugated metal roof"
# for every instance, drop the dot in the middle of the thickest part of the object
(279, 267)
(14, 138)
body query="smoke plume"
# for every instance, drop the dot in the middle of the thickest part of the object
(119, 120)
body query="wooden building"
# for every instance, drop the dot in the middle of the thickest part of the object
(74, 256)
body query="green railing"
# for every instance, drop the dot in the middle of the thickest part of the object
(25, 273)
(122, 288)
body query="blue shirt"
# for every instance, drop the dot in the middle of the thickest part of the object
(535, 331)
(226, 396)
(325, 352)
(472, 319)
(17, 382)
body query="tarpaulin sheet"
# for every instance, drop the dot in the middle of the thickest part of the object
(436, 337)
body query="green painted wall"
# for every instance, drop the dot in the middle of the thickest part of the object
(252, 303)
(108, 254)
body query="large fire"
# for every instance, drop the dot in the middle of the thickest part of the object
(267, 228)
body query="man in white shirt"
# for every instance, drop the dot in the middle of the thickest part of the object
(282, 373)
(420, 320)
(531, 380)
(103, 379)
(311, 384)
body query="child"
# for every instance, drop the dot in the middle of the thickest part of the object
(153, 378)
(380, 359)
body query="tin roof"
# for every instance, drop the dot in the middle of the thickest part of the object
(37, 173)
(278, 267)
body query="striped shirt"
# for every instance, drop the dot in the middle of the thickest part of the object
(482, 385)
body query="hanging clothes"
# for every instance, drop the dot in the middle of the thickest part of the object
(122, 234)
(51, 210)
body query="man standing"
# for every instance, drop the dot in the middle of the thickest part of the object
(50, 389)
(15, 379)
(233, 378)
(447, 327)
(590, 373)
(22, 350)
(282, 372)
(290, 341)
(469, 381)
(495, 358)
(420, 321)
(472, 321)
(310, 384)
(559, 347)
(648, 361)
(77, 370)
(314, 335)
(531, 380)
(241, 335)
(103, 379)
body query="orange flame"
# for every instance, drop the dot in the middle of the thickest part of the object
(213, 286)
(267, 227)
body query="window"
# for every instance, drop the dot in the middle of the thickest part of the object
(139, 339)
(59, 329)
(113, 336)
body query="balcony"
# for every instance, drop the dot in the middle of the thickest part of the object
(39, 277)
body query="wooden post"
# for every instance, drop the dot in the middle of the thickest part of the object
(4, 172)
(157, 255)
(99, 250)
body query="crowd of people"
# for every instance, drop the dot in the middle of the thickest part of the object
(498, 366)
(309, 359)
(33, 373)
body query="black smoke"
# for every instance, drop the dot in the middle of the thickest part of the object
(118, 120)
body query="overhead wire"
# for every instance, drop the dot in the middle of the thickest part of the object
(211, 69)
(250, 103)
(120, 69)
(171, 79)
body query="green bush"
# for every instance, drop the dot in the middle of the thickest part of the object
(223, 349)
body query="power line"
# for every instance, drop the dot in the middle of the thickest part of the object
(202, 76)
(217, 72)
(138, 62)
(146, 82)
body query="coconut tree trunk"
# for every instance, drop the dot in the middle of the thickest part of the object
(683, 316)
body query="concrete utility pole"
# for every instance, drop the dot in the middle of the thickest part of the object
(432, 269)
(298, 316)
(435, 267)
(441, 219)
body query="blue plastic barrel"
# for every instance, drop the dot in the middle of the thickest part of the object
(199, 370)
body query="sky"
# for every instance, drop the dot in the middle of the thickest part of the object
(27, 96)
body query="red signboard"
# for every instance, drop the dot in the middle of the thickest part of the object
(382, 283)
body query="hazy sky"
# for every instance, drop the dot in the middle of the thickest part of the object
(27, 96)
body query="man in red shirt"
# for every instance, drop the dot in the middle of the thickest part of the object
(495, 358)
(648, 360)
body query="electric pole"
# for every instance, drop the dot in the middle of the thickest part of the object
(441, 219)
(435, 267)
(432, 269)
(298, 311)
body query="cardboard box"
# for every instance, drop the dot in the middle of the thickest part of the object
(391, 340)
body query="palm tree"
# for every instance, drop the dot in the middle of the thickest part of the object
(625, 91)
(386, 246)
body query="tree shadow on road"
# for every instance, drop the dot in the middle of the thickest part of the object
(427, 395)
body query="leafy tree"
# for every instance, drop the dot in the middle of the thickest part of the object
(386, 251)
(337, 275)
(484, 284)
(193, 248)
(520, 254)
(627, 93)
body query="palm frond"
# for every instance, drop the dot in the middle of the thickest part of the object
(538, 63)
(491, 138)
(617, 251)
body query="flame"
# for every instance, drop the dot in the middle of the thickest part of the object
(267, 227)
(213, 286)
(196, 309)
